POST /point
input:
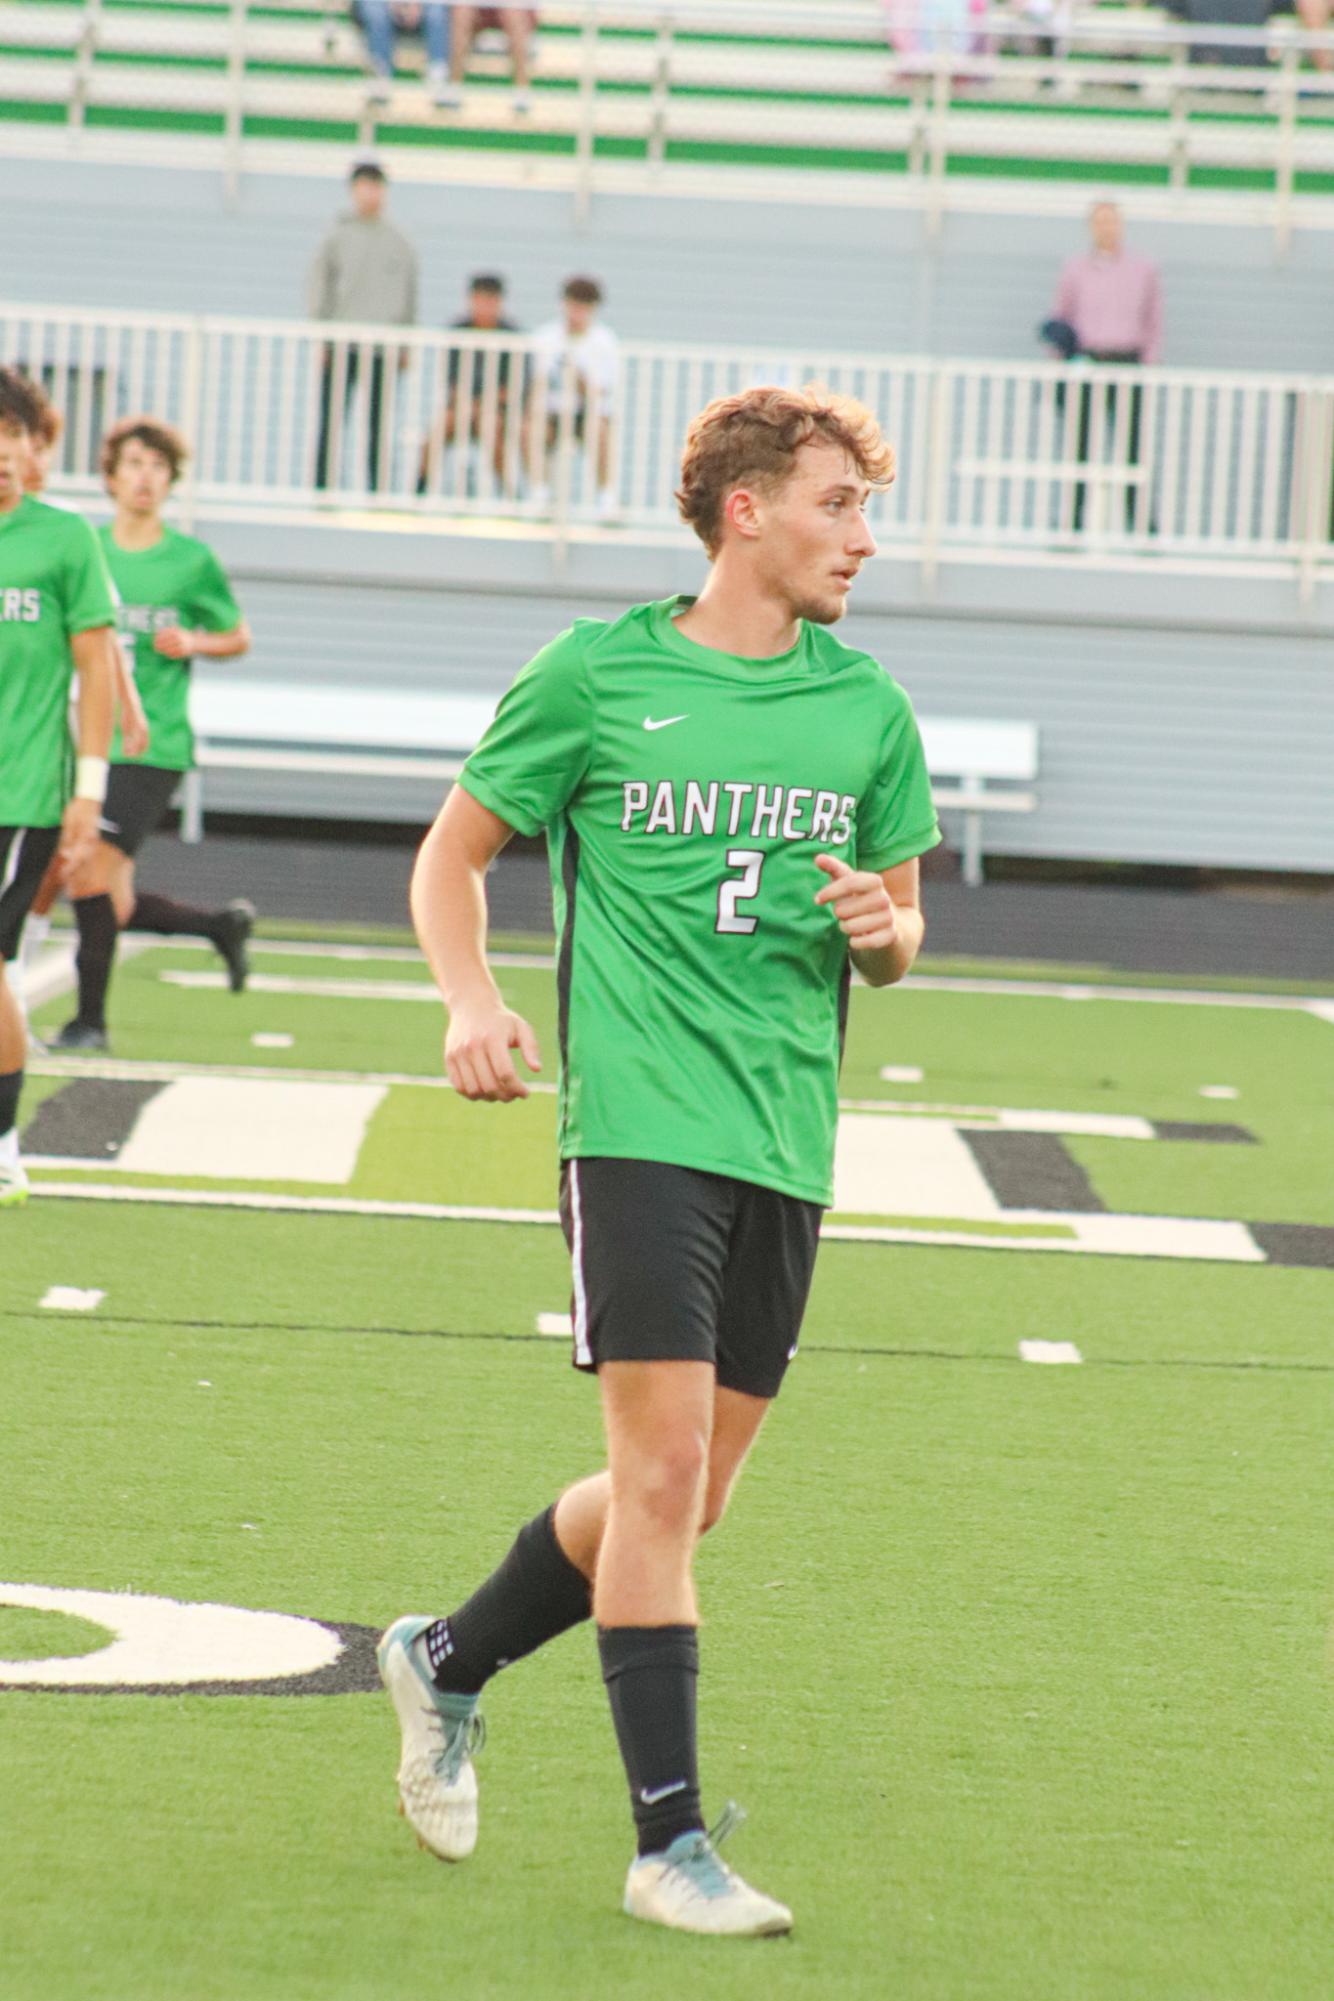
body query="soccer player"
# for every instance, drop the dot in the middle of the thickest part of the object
(133, 726)
(735, 804)
(175, 603)
(56, 613)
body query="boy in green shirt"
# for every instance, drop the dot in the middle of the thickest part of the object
(735, 805)
(175, 602)
(55, 614)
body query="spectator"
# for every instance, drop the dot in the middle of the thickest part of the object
(486, 299)
(1314, 17)
(365, 270)
(517, 25)
(383, 20)
(1112, 300)
(575, 357)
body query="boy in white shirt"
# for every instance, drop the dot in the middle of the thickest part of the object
(575, 356)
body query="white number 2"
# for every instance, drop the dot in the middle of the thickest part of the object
(743, 888)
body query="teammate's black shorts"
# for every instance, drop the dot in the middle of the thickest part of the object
(138, 795)
(25, 853)
(673, 1264)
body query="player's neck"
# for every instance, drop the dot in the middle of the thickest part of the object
(11, 502)
(136, 531)
(732, 616)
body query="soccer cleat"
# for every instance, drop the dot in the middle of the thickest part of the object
(81, 1037)
(13, 1184)
(233, 928)
(690, 1888)
(437, 1786)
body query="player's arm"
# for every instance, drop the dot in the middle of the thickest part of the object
(880, 915)
(133, 722)
(179, 642)
(91, 653)
(449, 910)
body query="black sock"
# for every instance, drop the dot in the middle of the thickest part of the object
(535, 1594)
(651, 1674)
(11, 1083)
(95, 917)
(171, 920)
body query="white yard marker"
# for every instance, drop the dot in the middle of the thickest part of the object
(239, 1130)
(1049, 1351)
(272, 1041)
(558, 1325)
(901, 1073)
(1219, 1091)
(887, 1166)
(72, 1298)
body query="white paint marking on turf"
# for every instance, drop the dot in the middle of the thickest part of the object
(901, 1073)
(276, 1130)
(1098, 1125)
(387, 955)
(1219, 1091)
(72, 1298)
(555, 1324)
(313, 988)
(1102, 1236)
(885, 1166)
(163, 1640)
(272, 1041)
(1323, 1010)
(1049, 1351)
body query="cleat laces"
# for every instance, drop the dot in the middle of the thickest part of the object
(700, 1863)
(459, 1739)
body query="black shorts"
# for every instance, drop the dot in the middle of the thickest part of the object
(675, 1265)
(137, 797)
(25, 855)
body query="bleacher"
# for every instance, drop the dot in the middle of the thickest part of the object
(645, 91)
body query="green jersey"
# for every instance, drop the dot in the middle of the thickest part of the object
(53, 584)
(686, 794)
(179, 581)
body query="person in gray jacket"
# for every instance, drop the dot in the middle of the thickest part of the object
(365, 269)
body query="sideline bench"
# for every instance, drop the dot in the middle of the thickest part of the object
(348, 732)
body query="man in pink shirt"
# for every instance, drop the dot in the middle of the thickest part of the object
(1113, 301)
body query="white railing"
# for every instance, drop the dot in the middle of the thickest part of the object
(619, 108)
(1008, 462)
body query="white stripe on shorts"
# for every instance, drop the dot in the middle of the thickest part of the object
(12, 859)
(583, 1354)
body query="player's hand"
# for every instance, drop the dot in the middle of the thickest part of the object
(79, 835)
(175, 642)
(477, 1053)
(134, 732)
(861, 903)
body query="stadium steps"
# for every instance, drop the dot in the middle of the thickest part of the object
(799, 102)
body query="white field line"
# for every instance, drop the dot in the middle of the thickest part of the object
(412, 990)
(967, 1117)
(1201, 1239)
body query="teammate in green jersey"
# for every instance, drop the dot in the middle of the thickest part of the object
(175, 603)
(55, 612)
(735, 805)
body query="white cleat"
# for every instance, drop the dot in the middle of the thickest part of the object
(13, 1183)
(690, 1888)
(437, 1786)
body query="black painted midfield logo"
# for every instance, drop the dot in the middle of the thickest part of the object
(164, 1646)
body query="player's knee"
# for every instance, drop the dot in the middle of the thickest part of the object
(666, 1488)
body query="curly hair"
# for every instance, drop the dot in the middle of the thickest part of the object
(20, 409)
(752, 439)
(147, 431)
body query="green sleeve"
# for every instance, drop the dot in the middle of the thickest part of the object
(89, 596)
(213, 607)
(895, 818)
(533, 756)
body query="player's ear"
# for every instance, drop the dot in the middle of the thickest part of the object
(742, 509)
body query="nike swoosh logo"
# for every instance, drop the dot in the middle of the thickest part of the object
(678, 1785)
(666, 722)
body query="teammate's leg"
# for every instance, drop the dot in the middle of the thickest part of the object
(96, 895)
(36, 931)
(25, 853)
(13, 1050)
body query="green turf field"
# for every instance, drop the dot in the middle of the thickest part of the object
(1023, 1672)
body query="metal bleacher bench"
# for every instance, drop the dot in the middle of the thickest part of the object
(976, 767)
